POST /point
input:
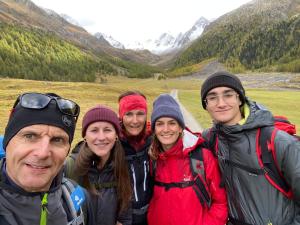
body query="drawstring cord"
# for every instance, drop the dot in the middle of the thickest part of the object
(44, 212)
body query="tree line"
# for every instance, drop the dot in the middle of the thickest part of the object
(30, 53)
(275, 46)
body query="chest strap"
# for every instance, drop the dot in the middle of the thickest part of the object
(174, 184)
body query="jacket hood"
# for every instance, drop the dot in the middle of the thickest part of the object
(259, 117)
(190, 141)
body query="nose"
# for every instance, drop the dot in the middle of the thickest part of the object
(44, 148)
(165, 127)
(134, 119)
(100, 135)
(221, 101)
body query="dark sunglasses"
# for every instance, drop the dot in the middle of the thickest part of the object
(40, 101)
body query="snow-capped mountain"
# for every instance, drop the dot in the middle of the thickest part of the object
(110, 40)
(191, 34)
(70, 20)
(167, 42)
(67, 18)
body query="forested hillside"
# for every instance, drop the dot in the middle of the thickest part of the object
(39, 55)
(262, 35)
(30, 54)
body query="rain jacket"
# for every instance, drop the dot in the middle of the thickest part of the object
(104, 204)
(178, 206)
(18, 207)
(252, 199)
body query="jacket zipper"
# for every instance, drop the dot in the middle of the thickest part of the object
(134, 183)
(145, 174)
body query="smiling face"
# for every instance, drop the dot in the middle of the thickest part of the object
(134, 122)
(100, 138)
(35, 155)
(167, 131)
(223, 105)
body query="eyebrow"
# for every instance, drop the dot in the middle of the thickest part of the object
(225, 91)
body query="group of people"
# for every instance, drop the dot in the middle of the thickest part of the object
(127, 170)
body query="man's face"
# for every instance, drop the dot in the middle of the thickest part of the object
(35, 155)
(223, 105)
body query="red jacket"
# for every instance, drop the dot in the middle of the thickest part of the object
(181, 205)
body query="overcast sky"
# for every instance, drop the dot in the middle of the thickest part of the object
(136, 20)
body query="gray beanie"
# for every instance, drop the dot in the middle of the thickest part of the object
(222, 79)
(166, 106)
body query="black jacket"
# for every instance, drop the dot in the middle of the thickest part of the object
(251, 198)
(105, 204)
(138, 163)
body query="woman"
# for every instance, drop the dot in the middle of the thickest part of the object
(136, 139)
(100, 166)
(176, 198)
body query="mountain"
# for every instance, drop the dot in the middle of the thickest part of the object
(39, 44)
(259, 34)
(66, 17)
(110, 40)
(167, 43)
(26, 13)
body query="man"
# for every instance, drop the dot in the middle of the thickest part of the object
(37, 140)
(252, 199)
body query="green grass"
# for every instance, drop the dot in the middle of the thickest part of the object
(85, 94)
(88, 95)
(279, 102)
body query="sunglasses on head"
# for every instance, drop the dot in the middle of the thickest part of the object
(41, 101)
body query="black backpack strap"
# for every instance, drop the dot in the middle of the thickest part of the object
(174, 184)
(105, 185)
(197, 168)
(270, 166)
(211, 140)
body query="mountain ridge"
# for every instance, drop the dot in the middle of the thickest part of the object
(256, 35)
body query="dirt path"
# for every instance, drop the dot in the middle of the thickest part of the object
(189, 119)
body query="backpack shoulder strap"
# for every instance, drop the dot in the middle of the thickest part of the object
(211, 140)
(268, 160)
(197, 168)
(1, 163)
(74, 197)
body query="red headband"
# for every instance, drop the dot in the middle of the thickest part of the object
(132, 102)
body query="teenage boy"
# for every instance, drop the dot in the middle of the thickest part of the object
(237, 121)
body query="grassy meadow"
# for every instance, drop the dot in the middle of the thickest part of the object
(88, 95)
(85, 94)
(279, 102)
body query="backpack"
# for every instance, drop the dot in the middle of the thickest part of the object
(266, 154)
(199, 183)
(74, 196)
(2, 153)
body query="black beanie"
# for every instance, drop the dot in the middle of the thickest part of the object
(166, 106)
(50, 115)
(222, 79)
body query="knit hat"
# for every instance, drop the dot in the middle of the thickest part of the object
(166, 106)
(21, 117)
(222, 79)
(132, 102)
(100, 113)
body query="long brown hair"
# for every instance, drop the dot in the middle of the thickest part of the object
(85, 160)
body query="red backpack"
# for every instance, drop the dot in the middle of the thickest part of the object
(266, 154)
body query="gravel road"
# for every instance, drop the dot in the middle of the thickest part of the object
(189, 119)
